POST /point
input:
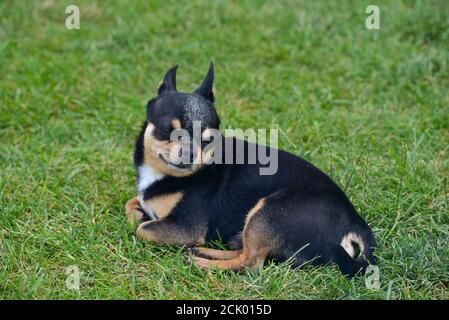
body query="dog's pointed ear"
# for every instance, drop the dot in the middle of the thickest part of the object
(168, 84)
(206, 89)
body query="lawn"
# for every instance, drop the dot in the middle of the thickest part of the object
(368, 107)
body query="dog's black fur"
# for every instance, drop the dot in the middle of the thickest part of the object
(305, 216)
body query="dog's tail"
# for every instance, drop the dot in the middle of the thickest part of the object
(355, 252)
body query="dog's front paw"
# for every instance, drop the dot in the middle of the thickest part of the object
(134, 212)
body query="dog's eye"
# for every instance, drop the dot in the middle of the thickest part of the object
(163, 132)
(165, 128)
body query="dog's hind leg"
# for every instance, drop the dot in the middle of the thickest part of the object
(209, 253)
(250, 259)
(257, 244)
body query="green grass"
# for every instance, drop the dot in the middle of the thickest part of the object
(370, 108)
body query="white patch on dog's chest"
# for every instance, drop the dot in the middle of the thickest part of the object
(147, 176)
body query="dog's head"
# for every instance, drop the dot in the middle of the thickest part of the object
(175, 122)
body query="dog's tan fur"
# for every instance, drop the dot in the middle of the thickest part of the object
(258, 241)
(165, 231)
(163, 205)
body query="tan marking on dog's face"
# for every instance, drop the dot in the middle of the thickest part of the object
(347, 243)
(163, 205)
(207, 133)
(168, 150)
(154, 148)
(176, 124)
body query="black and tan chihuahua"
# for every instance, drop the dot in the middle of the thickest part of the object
(297, 214)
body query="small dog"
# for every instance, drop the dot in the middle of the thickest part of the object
(297, 214)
